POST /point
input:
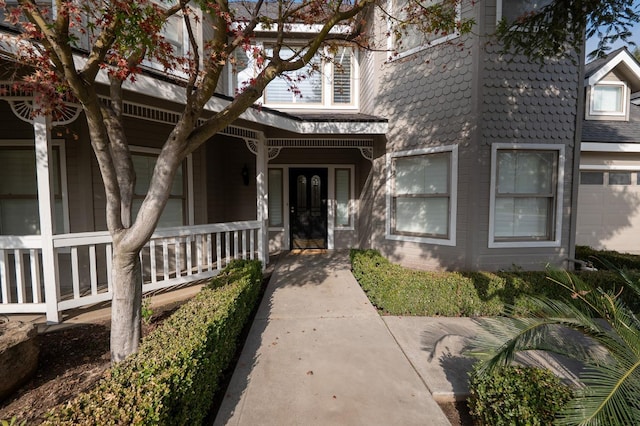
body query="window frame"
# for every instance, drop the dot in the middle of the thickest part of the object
(326, 77)
(624, 101)
(499, 9)
(62, 170)
(350, 199)
(554, 223)
(187, 177)
(391, 39)
(450, 238)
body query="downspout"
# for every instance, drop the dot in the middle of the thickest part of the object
(573, 217)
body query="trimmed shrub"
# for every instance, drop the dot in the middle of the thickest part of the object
(173, 377)
(516, 395)
(620, 260)
(396, 290)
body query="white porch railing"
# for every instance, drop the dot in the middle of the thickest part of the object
(83, 263)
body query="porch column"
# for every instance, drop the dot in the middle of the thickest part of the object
(42, 132)
(262, 198)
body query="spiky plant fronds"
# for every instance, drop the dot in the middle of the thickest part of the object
(609, 349)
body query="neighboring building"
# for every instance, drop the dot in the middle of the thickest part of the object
(609, 196)
(448, 156)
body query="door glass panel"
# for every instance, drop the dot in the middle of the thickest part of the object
(316, 199)
(302, 192)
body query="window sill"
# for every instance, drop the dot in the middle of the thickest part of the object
(523, 244)
(422, 240)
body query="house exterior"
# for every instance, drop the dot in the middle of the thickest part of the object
(446, 156)
(609, 196)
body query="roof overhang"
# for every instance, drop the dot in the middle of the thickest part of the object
(623, 62)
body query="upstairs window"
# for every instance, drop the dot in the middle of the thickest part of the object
(608, 99)
(511, 10)
(327, 81)
(408, 39)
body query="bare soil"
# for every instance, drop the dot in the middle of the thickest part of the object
(71, 361)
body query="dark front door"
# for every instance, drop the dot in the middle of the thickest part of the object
(308, 208)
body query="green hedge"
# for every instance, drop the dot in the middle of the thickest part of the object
(620, 260)
(514, 395)
(173, 377)
(396, 290)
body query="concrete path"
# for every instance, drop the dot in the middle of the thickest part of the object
(318, 353)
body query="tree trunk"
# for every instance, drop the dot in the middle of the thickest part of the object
(126, 304)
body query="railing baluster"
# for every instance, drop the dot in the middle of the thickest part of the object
(235, 245)
(75, 275)
(209, 253)
(200, 252)
(4, 276)
(93, 273)
(218, 250)
(177, 255)
(109, 255)
(244, 244)
(35, 276)
(252, 244)
(227, 246)
(152, 259)
(165, 258)
(20, 279)
(188, 255)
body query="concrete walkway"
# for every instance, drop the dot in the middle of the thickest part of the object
(318, 353)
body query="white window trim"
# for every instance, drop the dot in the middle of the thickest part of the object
(559, 197)
(60, 143)
(453, 194)
(593, 113)
(190, 213)
(391, 41)
(327, 87)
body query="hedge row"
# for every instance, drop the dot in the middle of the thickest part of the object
(396, 290)
(620, 260)
(173, 377)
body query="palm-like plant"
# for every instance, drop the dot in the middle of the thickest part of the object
(610, 351)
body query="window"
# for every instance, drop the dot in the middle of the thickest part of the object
(421, 204)
(591, 178)
(619, 178)
(410, 39)
(343, 196)
(608, 99)
(174, 213)
(276, 217)
(511, 10)
(327, 81)
(19, 211)
(525, 191)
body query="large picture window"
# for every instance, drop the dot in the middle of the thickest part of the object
(174, 213)
(422, 195)
(19, 212)
(526, 183)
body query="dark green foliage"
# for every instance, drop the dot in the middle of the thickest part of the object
(396, 290)
(515, 396)
(172, 379)
(601, 259)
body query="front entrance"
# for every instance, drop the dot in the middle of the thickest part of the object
(308, 207)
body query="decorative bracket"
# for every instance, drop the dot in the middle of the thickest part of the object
(67, 113)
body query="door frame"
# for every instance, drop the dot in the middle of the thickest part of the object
(323, 173)
(331, 195)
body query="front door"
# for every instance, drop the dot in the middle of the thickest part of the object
(308, 207)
